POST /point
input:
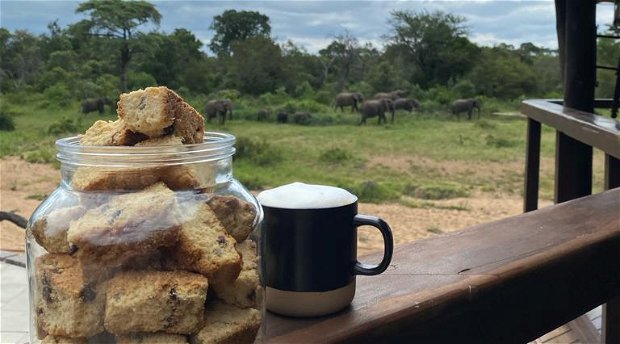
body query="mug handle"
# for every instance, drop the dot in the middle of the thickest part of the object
(388, 245)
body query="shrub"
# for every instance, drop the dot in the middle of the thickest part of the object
(63, 126)
(371, 191)
(335, 155)
(435, 191)
(6, 122)
(58, 94)
(258, 151)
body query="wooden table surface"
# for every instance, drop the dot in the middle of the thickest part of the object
(505, 281)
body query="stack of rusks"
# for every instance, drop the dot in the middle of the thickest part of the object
(167, 262)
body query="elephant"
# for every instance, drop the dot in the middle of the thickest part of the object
(406, 104)
(95, 104)
(219, 108)
(391, 95)
(282, 117)
(376, 108)
(465, 105)
(263, 115)
(302, 117)
(348, 99)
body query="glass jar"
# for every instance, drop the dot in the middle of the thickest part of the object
(145, 244)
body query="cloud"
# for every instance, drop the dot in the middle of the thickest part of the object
(313, 24)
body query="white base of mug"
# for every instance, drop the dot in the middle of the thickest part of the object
(307, 303)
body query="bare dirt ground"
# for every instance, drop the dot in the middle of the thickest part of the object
(23, 185)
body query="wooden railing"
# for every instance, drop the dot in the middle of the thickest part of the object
(508, 281)
(577, 133)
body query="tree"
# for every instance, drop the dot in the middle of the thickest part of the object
(256, 65)
(344, 51)
(21, 58)
(166, 57)
(119, 20)
(232, 26)
(435, 42)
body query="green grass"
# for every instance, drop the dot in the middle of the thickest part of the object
(415, 157)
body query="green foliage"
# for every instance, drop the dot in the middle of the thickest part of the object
(258, 151)
(64, 126)
(58, 94)
(232, 26)
(256, 65)
(436, 191)
(140, 80)
(498, 142)
(436, 42)
(371, 192)
(6, 122)
(335, 155)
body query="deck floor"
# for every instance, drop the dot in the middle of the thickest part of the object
(566, 334)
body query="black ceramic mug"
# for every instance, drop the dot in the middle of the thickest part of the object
(309, 256)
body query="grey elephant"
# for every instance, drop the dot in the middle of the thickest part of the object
(302, 117)
(282, 117)
(406, 104)
(263, 115)
(352, 99)
(391, 95)
(465, 105)
(219, 108)
(96, 104)
(376, 108)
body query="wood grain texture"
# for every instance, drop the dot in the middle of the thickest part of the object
(508, 281)
(594, 130)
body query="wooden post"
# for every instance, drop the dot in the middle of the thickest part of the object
(573, 174)
(560, 20)
(532, 166)
(610, 331)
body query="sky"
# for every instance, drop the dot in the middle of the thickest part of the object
(313, 24)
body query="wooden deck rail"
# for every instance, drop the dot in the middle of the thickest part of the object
(508, 281)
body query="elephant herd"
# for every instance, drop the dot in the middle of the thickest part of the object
(380, 104)
(390, 102)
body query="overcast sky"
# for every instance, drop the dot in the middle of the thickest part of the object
(312, 24)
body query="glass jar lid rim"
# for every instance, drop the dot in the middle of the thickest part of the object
(215, 146)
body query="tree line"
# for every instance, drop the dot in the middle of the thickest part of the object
(426, 54)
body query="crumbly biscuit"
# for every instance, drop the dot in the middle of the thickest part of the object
(50, 231)
(227, 324)
(176, 177)
(66, 304)
(242, 292)
(188, 124)
(155, 301)
(128, 226)
(205, 247)
(236, 215)
(149, 111)
(151, 338)
(108, 133)
(90, 178)
(63, 340)
(167, 140)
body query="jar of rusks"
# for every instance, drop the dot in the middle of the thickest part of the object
(148, 238)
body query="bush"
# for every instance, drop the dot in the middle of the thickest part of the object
(64, 126)
(58, 94)
(372, 192)
(6, 122)
(335, 155)
(435, 191)
(137, 80)
(258, 151)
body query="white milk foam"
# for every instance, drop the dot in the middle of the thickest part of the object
(306, 196)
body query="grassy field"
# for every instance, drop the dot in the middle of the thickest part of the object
(425, 155)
